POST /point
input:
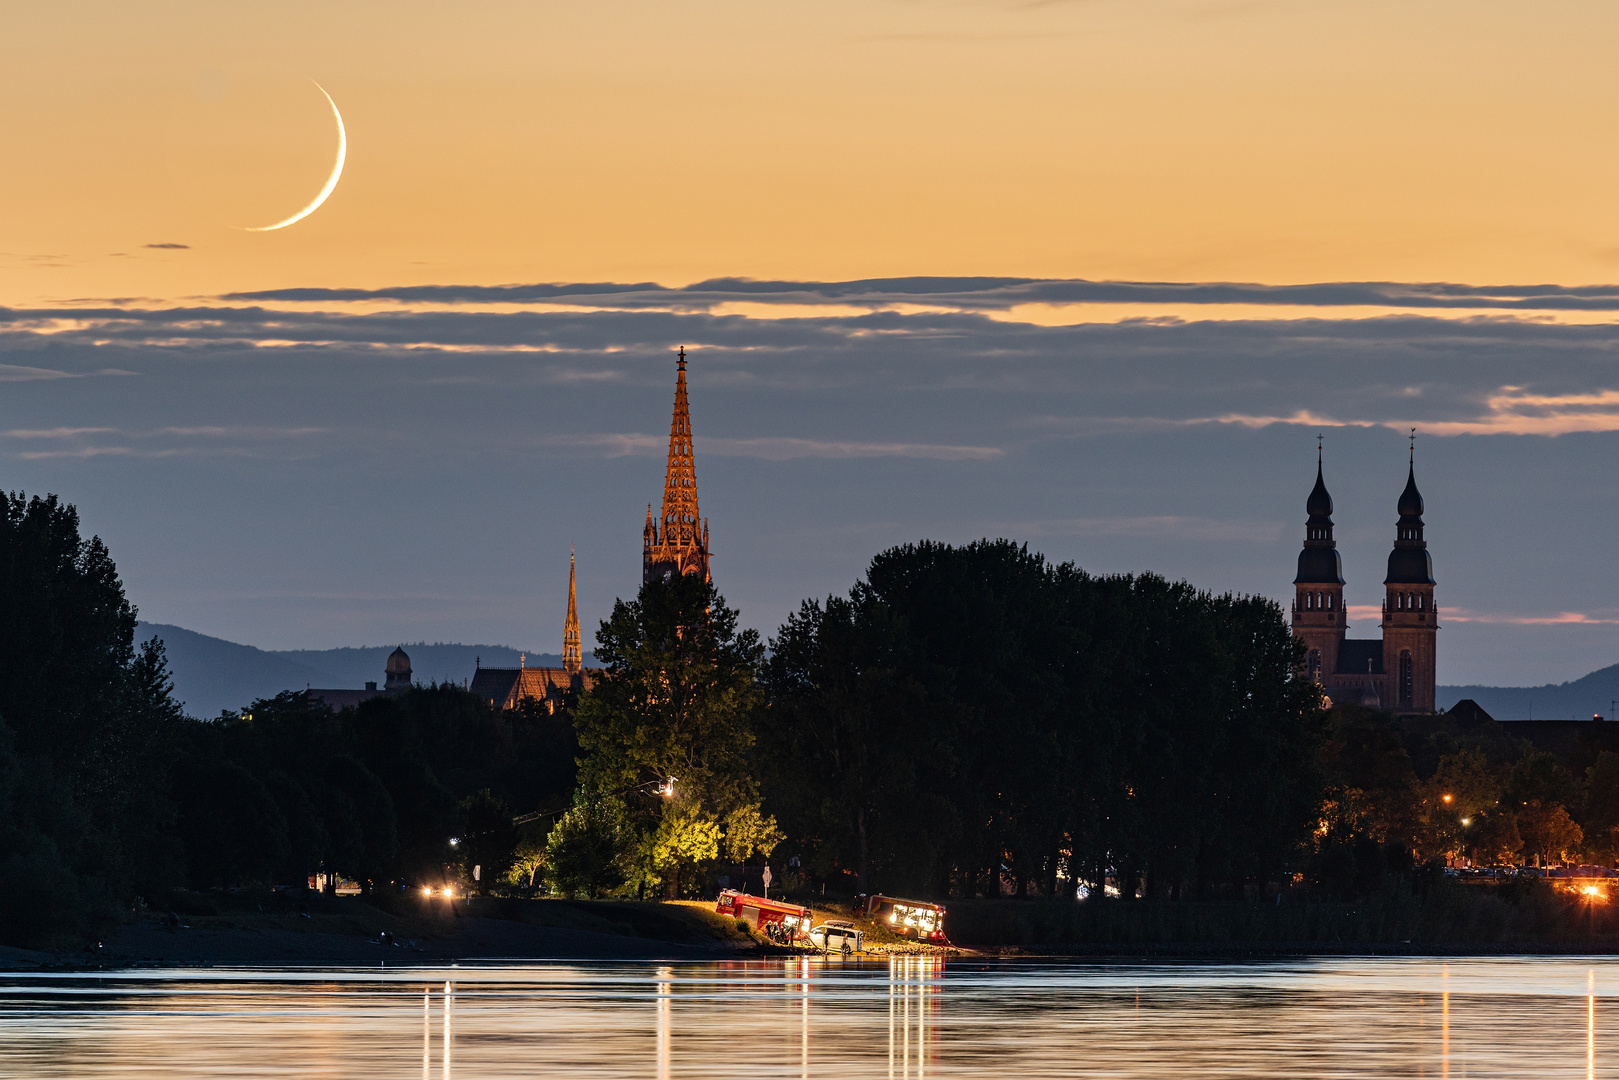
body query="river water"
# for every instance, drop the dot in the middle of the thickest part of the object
(898, 1019)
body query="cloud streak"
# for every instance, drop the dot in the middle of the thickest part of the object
(978, 294)
(625, 444)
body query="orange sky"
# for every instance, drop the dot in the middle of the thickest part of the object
(498, 142)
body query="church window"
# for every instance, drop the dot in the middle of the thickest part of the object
(1315, 665)
(1405, 677)
(1330, 601)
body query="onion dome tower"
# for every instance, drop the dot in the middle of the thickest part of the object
(677, 543)
(1410, 620)
(1318, 587)
(398, 671)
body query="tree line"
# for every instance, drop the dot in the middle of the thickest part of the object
(965, 721)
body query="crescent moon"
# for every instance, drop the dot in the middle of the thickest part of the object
(331, 181)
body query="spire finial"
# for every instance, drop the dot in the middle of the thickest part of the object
(682, 354)
(1319, 437)
(1413, 447)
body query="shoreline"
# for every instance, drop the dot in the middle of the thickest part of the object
(149, 945)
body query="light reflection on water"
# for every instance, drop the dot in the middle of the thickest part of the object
(905, 1019)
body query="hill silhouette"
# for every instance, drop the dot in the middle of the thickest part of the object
(213, 675)
(1576, 700)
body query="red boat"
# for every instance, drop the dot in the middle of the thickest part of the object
(761, 914)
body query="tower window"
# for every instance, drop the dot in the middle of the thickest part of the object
(1405, 677)
(1329, 601)
(1315, 665)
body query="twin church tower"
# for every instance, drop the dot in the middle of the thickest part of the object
(1395, 672)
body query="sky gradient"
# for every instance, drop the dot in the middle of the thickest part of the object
(1088, 274)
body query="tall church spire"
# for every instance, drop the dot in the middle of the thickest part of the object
(678, 541)
(573, 658)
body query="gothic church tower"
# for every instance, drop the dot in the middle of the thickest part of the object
(677, 543)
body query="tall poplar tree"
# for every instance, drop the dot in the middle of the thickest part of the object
(676, 703)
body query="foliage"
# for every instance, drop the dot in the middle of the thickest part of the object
(676, 702)
(527, 859)
(486, 849)
(974, 716)
(585, 855)
(87, 732)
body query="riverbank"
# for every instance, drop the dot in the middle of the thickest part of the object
(254, 928)
(1426, 918)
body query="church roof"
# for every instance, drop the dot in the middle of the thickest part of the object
(398, 660)
(1360, 656)
(507, 686)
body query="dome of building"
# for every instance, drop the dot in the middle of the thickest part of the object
(1369, 698)
(1410, 566)
(398, 662)
(1410, 499)
(1320, 565)
(1319, 504)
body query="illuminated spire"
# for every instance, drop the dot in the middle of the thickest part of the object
(678, 541)
(573, 657)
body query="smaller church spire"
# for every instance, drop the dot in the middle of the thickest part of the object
(572, 652)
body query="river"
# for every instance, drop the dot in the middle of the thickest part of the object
(899, 1019)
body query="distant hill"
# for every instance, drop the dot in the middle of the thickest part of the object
(212, 675)
(1577, 700)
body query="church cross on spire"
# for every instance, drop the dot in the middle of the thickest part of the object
(573, 657)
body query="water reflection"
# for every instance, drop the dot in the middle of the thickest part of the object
(665, 1020)
(906, 1018)
(910, 984)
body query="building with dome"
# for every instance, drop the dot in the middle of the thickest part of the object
(396, 680)
(1395, 671)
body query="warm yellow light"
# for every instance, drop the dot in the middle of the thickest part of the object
(1467, 821)
(1445, 797)
(427, 892)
